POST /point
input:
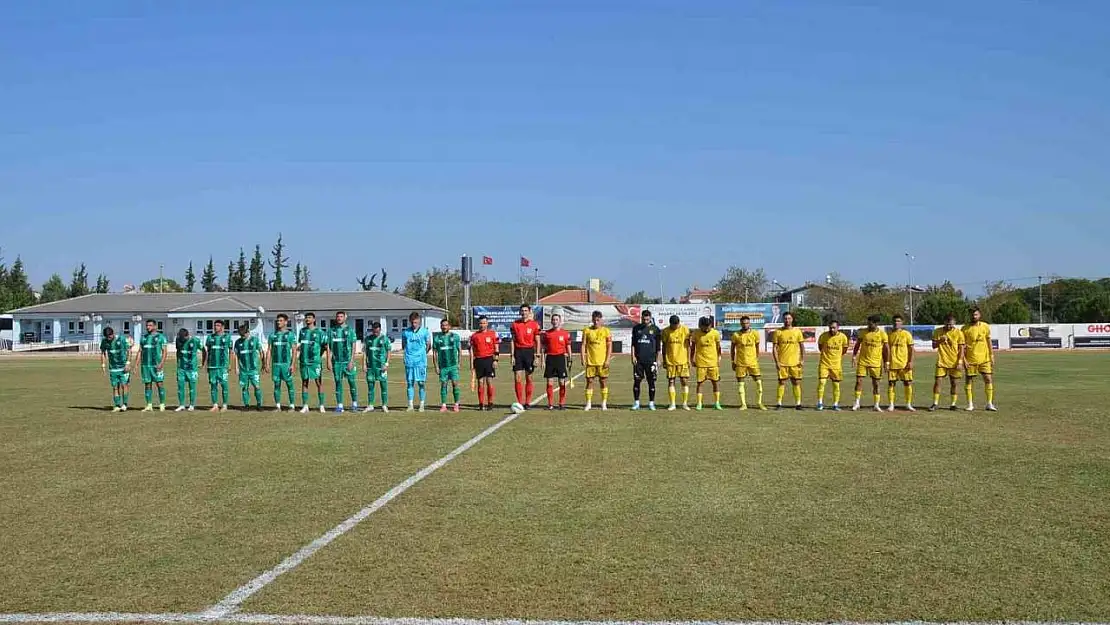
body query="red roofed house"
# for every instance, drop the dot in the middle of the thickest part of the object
(698, 296)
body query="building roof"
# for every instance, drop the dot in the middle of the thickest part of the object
(578, 296)
(169, 303)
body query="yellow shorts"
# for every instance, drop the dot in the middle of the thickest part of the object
(875, 373)
(712, 374)
(981, 369)
(743, 371)
(948, 372)
(900, 375)
(596, 371)
(678, 371)
(828, 373)
(793, 373)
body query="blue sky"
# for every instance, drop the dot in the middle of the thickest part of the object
(592, 136)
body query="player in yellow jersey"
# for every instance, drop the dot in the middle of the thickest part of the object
(789, 353)
(745, 361)
(597, 352)
(900, 367)
(869, 357)
(705, 353)
(676, 359)
(979, 359)
(949, 343)
(833, 344)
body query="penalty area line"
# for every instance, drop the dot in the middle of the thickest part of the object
(235, 599)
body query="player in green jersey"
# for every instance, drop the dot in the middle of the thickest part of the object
(280, 358)
(445, 355)
(115, 358)
(188, 350)
(217, 356)
(341, 360)
(248, 354)
(311, 343)
(376, 348)
(152, 362)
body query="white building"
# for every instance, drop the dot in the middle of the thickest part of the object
(83, 319)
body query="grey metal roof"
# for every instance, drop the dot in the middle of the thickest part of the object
(285, 301)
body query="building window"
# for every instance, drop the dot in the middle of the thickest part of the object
(200, 326)
(127, 327)
(323, 324)
(394, 324)
(71, 327)
(404, 323)
(157, 323)
(80, 327)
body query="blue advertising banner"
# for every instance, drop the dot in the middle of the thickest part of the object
(728, 315)
(500, 317)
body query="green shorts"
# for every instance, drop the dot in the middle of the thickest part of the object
(217, 376)
(282, 373)
(186, 375)
(119, 377)
(449, 374)
(249, 378)
(152, 374)
(373, 376)
(341, 372)
(310, 372)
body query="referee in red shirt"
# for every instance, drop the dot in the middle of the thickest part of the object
(556, 352)
(483, 362)
(525, 333)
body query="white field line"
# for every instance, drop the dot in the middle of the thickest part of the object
(231, 603)
(306, 619)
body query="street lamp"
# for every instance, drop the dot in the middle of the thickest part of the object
(659, 271)
(909, 282)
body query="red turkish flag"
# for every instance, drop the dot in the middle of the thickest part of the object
(524, 262)
(487, 260)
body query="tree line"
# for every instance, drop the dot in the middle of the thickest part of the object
(442, 287)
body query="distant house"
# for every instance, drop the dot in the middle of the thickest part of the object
(82, 319)
(808, 295)
(699, 296)
(572, 297)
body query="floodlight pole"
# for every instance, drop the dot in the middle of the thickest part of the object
(909, 282)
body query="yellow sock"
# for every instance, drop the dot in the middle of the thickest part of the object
(990, 392)
(909, 395)
(878, 399)
(956, 396)
(717, 398)
(743, 395)
(890, 394)
(589, 395)
(836, 393)
(821, 390)
(797, 394)
(672, 393)
(936, 398)
(605, 394)
(970, 391)
(699, 399)
(759, 392)
(685, 395)
(780, 393)
(858, 395)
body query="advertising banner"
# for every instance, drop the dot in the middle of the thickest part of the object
(1038, 336)
(1092, 335)
(578, 317)
(500, 317)
(728, 315)
(810, 334)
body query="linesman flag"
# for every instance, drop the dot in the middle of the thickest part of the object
(487, 260)
(524, 262)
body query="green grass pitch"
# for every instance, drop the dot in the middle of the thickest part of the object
(570, 515)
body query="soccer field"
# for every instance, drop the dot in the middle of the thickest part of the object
(612, 515)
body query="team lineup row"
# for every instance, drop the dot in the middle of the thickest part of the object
(962, 352)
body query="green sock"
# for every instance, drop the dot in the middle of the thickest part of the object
(304, 398)
(277, 393)
(223, 387)
(213, 392)
(161, 394)
(246, 396)
(443, 392)
(320, 397)
(289, 386)
(385, 393)
(370, 393)
(339, 391)
(258, 396)
(116, 400)
(457, 393)
(180, 394)
(192, 394)
(146, 394)
(354, 392)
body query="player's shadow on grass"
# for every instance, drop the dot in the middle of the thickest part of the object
(95, 408)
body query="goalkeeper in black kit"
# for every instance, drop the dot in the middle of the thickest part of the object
(645, 351)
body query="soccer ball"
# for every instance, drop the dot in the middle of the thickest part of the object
(516, 408)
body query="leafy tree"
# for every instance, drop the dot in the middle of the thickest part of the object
(1087, 310)
(368, 284)
(161, 285)
(278, 262)
(1011, 311)
(871, 289)
(742, 285)
(102, 284)
(208, 278)
(256, 280)
(608, 287)
(672, 301)
(190, 278)
(80, 284)
(385, 276)
(18, 292)
(298, 278)
(306, 278)
(53, 290)
(806, 317)
(640, 297)
(934, 306)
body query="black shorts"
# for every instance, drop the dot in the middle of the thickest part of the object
(524, 360)
(555, 367)
(644, 371)
(483, 368)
